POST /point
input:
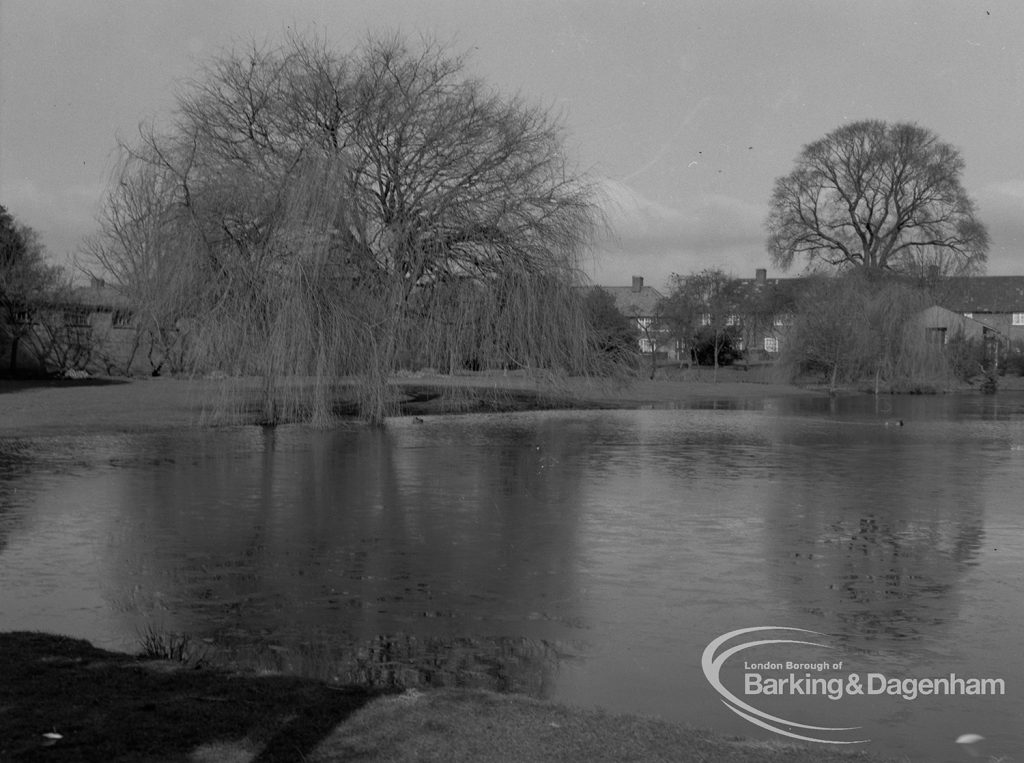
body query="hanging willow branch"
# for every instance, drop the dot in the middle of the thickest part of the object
(335, 216)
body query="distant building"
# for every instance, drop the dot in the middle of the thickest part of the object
(89, 328)
(639, 304)
(941, 324)
(763, 311)
(997, 302)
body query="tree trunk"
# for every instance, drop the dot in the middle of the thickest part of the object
(14, 353)
(269, 401)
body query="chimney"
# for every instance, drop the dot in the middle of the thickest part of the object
(638, 283)
(761, 275)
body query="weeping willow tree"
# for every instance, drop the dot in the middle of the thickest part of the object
(314, 215)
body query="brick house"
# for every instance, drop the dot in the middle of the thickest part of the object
(90, 329)
(996, 302)
(764, 308)
(981, 308)
(639, 303)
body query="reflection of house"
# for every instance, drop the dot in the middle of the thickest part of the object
(639, 303)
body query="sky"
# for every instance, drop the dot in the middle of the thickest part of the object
(683, 112)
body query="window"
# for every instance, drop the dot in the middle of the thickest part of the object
(23, 317)
(968, 315)
(732, 320)
(76, 316)
(937, 336)
(781, 320)
(1018, 319)
(771, 344)
(121, 319)
(705, 319)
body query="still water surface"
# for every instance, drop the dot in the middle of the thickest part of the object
(587, 557)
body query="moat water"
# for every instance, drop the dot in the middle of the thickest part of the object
(587, 557)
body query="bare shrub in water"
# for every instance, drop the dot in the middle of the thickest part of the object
(312, 218)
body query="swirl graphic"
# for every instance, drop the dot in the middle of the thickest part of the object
(712, 666)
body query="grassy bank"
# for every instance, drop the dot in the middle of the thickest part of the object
(94, 406)
(97, 705)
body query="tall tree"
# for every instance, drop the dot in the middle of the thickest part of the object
(880, 197)
(325, 214)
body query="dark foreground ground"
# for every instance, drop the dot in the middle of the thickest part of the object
(108, 706)
(62, 699)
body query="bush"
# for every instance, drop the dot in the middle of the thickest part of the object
(704, 346)
(965, 357)
(175, 647)
(613, 331)
(1013, 364)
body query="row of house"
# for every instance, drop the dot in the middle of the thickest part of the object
(95, 317)
(978, 308)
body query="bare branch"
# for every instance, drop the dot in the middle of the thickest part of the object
(877, 196)
(310, 213)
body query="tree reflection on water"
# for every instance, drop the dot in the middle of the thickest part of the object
(874, 529)
(405, 660)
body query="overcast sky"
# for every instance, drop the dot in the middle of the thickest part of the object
(687, 111)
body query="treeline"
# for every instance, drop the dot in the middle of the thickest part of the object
(313, 215)
(858, 328)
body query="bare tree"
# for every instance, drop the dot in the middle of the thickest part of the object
(681, 318)
(61, 331)
(855, 330)
(143, 247)
(879, 197)
(322, 215)
(703, 303)
(758, 305)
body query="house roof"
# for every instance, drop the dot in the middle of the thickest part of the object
(632, 302)
(939, 317)
(976, 294)
(982, 294)
(784, 290)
